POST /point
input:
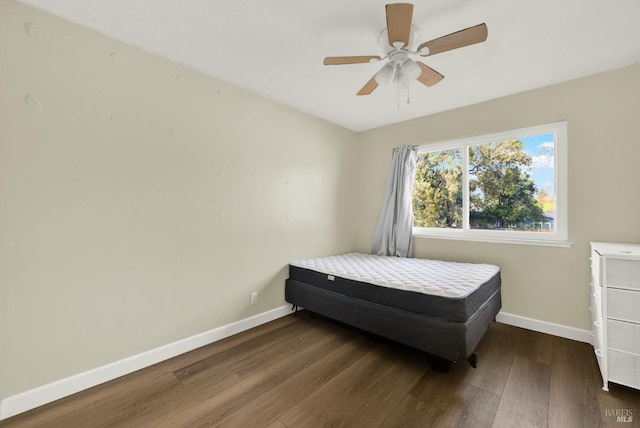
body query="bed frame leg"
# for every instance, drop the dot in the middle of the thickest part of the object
(294, 309)
(439, 364)
(473, 360)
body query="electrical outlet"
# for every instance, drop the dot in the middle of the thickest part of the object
(254, 297)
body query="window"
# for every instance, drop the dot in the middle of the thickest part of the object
(504, 187)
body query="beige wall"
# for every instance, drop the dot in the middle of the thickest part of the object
(141, 202)
(545, 283)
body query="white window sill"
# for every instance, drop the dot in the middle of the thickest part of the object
(495, 240)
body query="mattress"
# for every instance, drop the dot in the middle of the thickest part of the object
(450, 291)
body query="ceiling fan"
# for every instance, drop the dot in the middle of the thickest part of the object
(396, 40)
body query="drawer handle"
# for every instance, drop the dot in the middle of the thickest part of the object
(596, 295)
(592, 309)
(599, 353)
(597, 323)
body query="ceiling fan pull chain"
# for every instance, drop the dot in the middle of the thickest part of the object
(398, 93)
(408, 95)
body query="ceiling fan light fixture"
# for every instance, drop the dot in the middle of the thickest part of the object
(410, 70)
(385, 75)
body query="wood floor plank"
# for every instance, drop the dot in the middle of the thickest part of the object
(276, 424)
(370, 408)
(177, 400)
(126, 398)
(252, 346)
(262, 357)
(125, 406)
(209, 410)
(525, 400)
(266, 408)
(618, 401)
(438, 388)
(340, 392)
(470, 407)
(412, 413)
(534, 346)
(495, 357)
(68, 408)
(573, 391)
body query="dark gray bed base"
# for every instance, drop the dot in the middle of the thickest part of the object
(450, 340)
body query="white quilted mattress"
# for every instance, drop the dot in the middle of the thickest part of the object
(449, 279)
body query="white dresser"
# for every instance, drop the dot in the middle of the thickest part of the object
(615, 311)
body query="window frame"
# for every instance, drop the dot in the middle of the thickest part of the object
(557, 238)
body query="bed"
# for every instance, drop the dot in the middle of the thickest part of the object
(442, 308)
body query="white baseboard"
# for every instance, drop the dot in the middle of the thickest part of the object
(545, 327)
(36, 397)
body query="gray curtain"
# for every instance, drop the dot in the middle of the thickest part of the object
(393, 236)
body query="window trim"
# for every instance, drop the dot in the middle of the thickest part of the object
(559, 238)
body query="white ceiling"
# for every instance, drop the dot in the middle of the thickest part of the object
(275, 48)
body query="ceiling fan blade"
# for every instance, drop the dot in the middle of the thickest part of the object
(466, 37)
(399, 22)
(428, 76)
(340, 60)
(369, 87)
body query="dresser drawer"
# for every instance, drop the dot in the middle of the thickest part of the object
(623, 304)
(624, 368)
(623, 336)
(623, 273)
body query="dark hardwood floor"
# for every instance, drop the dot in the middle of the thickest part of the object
(306, 371)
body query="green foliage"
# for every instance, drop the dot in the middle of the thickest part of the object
(502, 193)
(437, 190)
